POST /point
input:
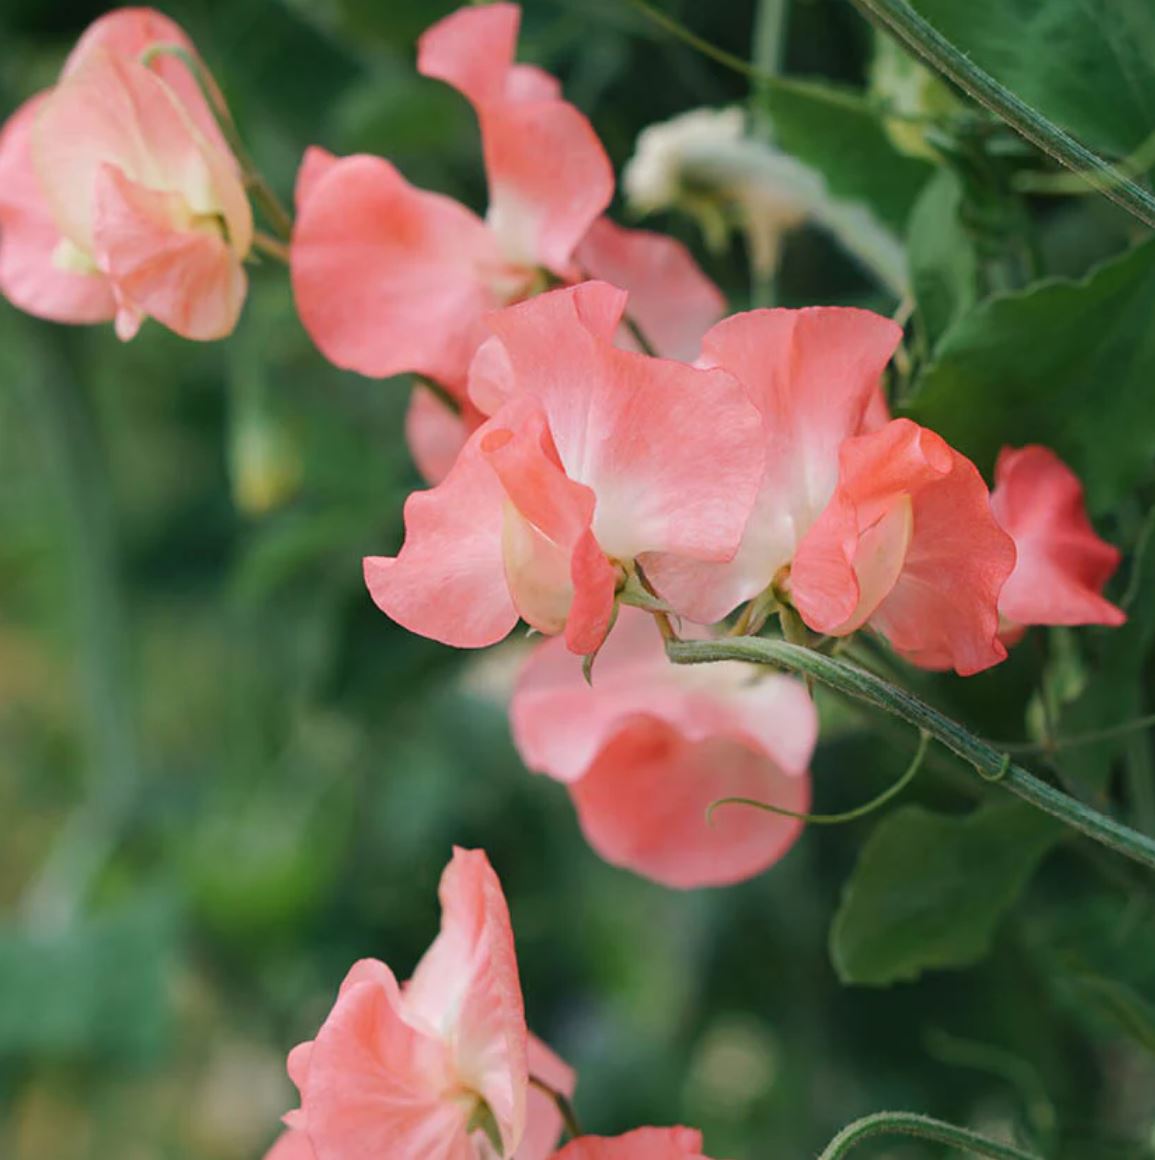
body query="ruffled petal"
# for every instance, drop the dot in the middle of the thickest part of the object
(448, 581)
(671, 453)
(814, 376)
(549, 177)
(641, 1144)
(32, 275)
(130, 33)
(378, 1086)
(1062, 565)
(388, 278)
(183, 275)
(671, 299)
(941, 610)
(466, 987)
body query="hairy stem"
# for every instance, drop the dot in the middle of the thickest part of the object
(921, 38)
(989, 762)
(925, 1128)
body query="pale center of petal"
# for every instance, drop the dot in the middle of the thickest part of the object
(879, 559)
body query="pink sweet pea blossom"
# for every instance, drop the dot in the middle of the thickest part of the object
(597, 457)
(641, 1144)
(291, 1145)
(439, 1068)
(859, 520)
(118, 197)
(1062, 565)
(650, 745)
(391, 279)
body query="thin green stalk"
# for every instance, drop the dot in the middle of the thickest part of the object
(853, 815)
(925, 1128)
(87, 838)
(766, 59)
(921, 38)
(989, 762)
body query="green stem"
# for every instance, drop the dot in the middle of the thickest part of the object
(921, 38)
(925, 1128)
(989, 762)
(89, 836)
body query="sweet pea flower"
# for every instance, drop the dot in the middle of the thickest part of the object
(291, 1145)
(859, 520)
(392, 279)
(595, 459)
(650, 745)
(1062, 565)
(640, 1144)
(118, 196)
(438, 1067)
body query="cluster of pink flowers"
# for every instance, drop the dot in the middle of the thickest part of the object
(596, 435)
(443, 1067)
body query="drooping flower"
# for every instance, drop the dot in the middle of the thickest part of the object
(649, 746)
(1062, 565)
(438, 1067)
(118, 196)
(709, 165)
(640, 1144)
(596, 459)
(392, 279)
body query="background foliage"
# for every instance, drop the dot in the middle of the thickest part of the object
(224, 776)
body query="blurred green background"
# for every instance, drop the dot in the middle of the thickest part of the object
(224, 776)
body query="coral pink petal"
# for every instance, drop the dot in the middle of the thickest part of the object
(813, 375)
(436, 433)
(543, 1122)
(942, 609)
(560, 722)
(671, 300)
(377, 1086)
(291, 1146)
(1062, 565)
(314, 165)
(466, 987)
(641, 1144)
(642, 805)
(491, 379)
(130, 33)
(388, 278)
(472, 49)
(448, 581)
(595, 582)
(30, 276)
(549, 180)
(672, 453)
(186, 278)
(527, 82)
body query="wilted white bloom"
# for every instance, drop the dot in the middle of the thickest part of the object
(706, 163)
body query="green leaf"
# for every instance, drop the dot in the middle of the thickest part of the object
(929, 890)
(837, 132)
(1087, 64)
(1069, 364)
(1116, 1003)
(943, 264)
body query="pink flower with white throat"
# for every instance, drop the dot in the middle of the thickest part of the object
(595, 459)
(118, 196)
(649, 746)
(438, 1068)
